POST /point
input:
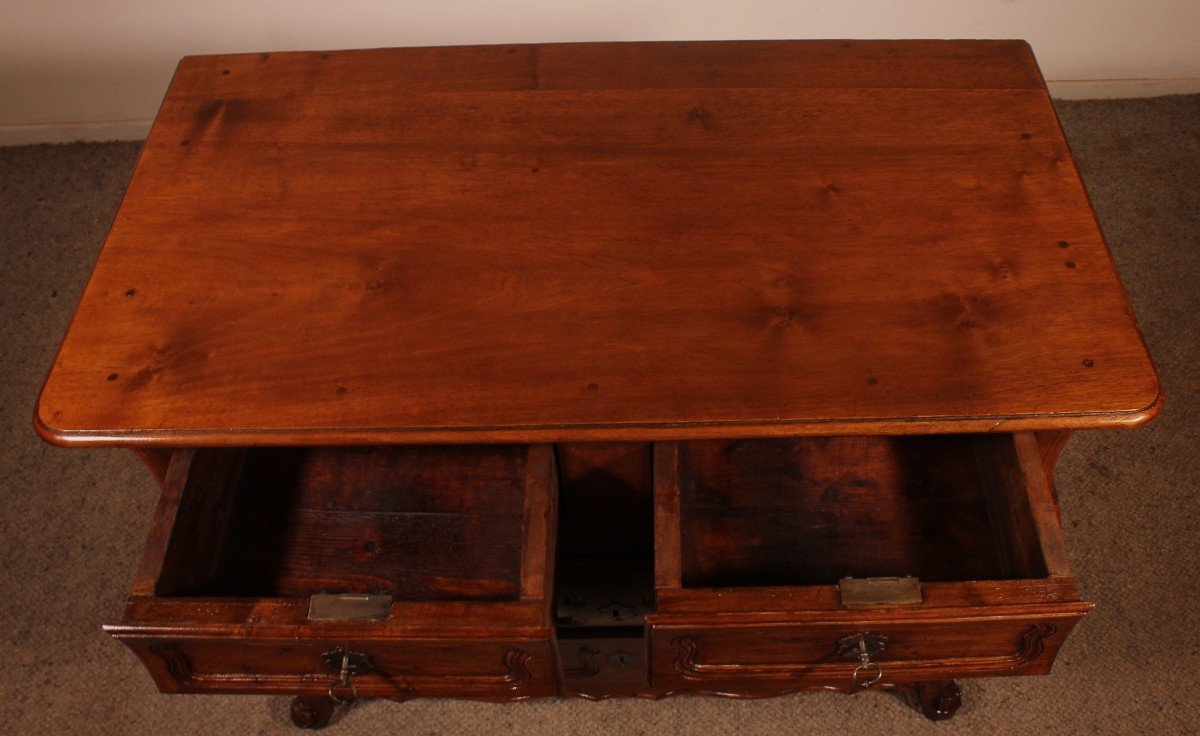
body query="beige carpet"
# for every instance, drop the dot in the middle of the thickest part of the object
(72, 522)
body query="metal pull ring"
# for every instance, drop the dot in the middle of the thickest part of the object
(866, 667)
(861, 647)
(343, 682)
(346, 700)
(347, 664)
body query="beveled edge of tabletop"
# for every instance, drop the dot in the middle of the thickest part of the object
(641, 432)
(1021, 57)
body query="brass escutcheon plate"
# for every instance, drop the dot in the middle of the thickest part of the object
(349, 607)
(880, 592)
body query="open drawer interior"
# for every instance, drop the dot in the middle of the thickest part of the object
(813, 511)
(414, 523)
(782, 563)
(272, 569)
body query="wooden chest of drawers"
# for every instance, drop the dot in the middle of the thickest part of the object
(602, 370)
(443, 559)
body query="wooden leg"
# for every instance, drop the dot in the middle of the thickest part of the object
(311, 711)
(1051, 444)
(938, 699)
(156, 459)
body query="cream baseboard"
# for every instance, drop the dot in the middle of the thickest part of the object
(133, 130)
(100, 130)
(1094, 89)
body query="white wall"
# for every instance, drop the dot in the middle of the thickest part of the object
(98, 68)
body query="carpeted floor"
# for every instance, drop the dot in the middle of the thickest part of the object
(72, 522)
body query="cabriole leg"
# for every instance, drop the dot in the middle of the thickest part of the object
(311, 711)
(938, 699)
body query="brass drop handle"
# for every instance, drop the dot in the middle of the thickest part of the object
(346, 664)
(862, 647)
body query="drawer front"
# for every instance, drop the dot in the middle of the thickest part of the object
(720, 657)
(603, 667)
(493, 670)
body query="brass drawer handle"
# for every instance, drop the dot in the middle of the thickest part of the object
(861, 647)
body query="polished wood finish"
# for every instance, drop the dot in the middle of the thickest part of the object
(606, 362)
(601, 242)
(492, 668)
(719, 656)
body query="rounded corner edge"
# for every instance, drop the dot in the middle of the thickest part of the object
(1138, 417)
(48, 432)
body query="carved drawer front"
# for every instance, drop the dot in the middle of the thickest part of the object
(428, 569)
(497, 670)
(783, 656)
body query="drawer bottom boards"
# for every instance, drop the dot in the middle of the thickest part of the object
(506, 573)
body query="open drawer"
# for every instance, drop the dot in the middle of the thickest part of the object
(838, 562)
(420, 570)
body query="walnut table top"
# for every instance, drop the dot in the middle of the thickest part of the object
(601, 242)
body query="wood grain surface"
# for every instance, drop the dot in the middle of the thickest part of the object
(812, 511)
(601, 242)
(417, 523)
